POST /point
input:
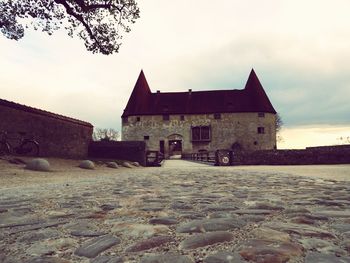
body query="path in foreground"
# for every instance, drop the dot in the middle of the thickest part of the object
(177, 214)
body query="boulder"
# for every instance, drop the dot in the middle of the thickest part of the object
(136, 164)
(127, 165)
(87, 164)
(38, 164)
(112, 165)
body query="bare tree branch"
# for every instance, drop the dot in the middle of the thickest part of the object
(98, 22)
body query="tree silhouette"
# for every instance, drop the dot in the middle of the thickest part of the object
(98, 23)
(278, 126)
(100, 134)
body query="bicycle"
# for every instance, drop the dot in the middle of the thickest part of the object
(27, 147)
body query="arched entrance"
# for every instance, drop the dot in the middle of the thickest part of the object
(175, 145)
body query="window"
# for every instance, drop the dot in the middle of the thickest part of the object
(217, 116)
(182, 117)
(146, 137)
(166, 117)
(138, 118)
(261, 130)
(201, 133)
(125, 120)
(261, 114)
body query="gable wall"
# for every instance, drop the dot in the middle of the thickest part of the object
(232, 127)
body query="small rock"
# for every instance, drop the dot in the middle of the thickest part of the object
(87, 233)
(302, 230)
(150, 243)
(93, 247)
(296, 210)
(264, 251)
(46, 247)
(136, 164)
(87, 164)
(46, 259)
(166, 258)
(211, 208)
(334, 213)
(267, 206)
(38, 236)
(302, 220)
(224, 257)
(127, 165)
(112, 165)
(163, 221)
(38, 164)
(253, 212)
(181, 206)
(314, 257)
(270, 234)
(341, 228)
(206, 239)
(319, 245)
(139, 230)
(107, 259)
(346, 244)
(109, 207)
(207, 225)
(3, 210)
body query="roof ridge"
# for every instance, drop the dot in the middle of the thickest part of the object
(34, 110)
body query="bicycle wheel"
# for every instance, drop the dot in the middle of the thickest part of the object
(4, 148)
(28, 148)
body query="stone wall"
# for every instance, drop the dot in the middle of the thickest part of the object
(131, 151)
(231, 128)
(58, 136)
(313, 155)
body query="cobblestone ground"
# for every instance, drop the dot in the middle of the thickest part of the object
(180, 213)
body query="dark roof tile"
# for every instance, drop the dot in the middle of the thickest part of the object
(250, 99)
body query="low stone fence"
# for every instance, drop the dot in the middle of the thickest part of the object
(312, 155)
(126, 150)
(218, 158)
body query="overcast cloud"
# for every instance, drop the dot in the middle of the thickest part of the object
(299, 49)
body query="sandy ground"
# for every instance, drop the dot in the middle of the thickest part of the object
(63, 171)
(66, 171)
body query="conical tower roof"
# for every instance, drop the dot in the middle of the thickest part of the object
(140, 96)
(257, 95)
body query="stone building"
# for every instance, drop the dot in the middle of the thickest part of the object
(57, 135)
(192, 121)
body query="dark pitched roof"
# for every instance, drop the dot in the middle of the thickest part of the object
(25, 108)
(250, 99)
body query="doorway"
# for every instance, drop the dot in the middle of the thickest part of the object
(175, 147)
(161, 147)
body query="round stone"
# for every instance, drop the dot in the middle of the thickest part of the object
(112, 165)
(38, 164)
(87, 164)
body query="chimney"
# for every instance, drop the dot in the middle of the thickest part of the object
(158, 91)
(190, 91)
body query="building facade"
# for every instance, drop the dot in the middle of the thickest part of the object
(186, 122)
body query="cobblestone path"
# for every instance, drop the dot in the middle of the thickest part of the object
(180, 213)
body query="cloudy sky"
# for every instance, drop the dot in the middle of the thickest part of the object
(299, 49)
